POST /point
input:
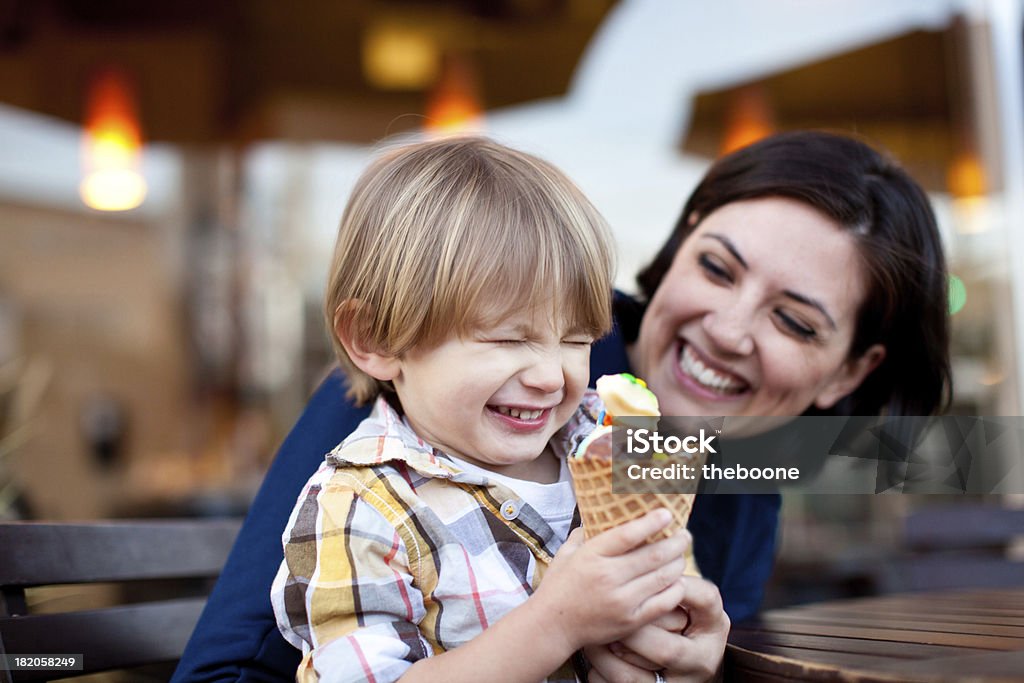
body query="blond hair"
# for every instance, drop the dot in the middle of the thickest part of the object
(443, 237)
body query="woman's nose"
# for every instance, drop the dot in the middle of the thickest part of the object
(730, 330)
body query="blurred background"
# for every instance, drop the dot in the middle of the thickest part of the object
(172, 175)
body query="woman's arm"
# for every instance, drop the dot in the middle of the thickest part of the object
(734, 543)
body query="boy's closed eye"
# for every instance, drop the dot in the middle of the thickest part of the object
(581, 340)
(572, 341)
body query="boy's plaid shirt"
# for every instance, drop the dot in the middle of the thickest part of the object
(393, 554)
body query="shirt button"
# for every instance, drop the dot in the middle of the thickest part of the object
(510, 509)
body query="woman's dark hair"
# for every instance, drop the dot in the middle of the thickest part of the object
(888, 215)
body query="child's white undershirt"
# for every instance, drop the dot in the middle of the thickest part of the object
(555, 502)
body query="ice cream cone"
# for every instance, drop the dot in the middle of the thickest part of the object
(601, 508)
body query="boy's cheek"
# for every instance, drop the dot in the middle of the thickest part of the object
(576, 380)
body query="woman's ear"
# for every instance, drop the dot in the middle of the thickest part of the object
(349, 330)
(849, 377)
(693, 219)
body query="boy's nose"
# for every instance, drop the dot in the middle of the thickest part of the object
(545, 373)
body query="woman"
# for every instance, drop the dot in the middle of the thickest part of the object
(805, 276)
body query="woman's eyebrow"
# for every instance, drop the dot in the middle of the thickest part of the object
(811, 302)
(795, 296)
(727, 243)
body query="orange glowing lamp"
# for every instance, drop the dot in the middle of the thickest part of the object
(454, 106)
(966, 176)
(112, 145)
(748, 120)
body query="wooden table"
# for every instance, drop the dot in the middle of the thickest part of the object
(923, 637)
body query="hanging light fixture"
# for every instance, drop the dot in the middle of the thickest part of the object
(748, 119)
(967, 182)
(111, 145)
(965, 177)
(400, 57)
(454, 105)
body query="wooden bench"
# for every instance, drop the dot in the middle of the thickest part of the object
(126, 553)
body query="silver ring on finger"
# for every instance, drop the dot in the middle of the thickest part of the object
(659, 677)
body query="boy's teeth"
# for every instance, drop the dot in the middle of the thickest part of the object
(520, 414)
(692, 366)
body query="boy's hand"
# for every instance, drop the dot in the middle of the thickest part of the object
(686, 645)
(606, 588)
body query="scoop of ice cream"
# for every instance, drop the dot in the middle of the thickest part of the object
(625, 395)
(597, 444)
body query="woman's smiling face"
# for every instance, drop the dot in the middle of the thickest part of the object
(756, 315)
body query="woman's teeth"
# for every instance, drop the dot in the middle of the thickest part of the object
(519, 414)
(705, 376)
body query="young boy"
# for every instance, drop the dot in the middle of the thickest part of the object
(467, 284)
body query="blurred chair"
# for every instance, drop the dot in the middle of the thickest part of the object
(130, 554)
(958, 546)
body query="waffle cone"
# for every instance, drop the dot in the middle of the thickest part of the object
(601, 509)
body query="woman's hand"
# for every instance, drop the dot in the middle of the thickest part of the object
(610, 586)
(685, 645)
